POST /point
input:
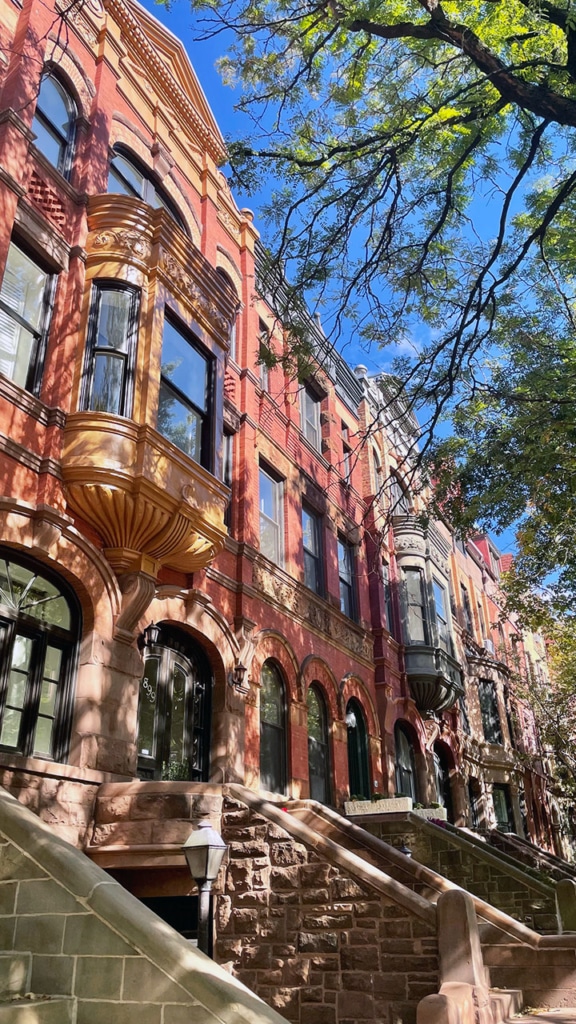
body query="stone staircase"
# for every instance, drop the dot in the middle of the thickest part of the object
(18, 1005)
(93, 951)
(531, 856)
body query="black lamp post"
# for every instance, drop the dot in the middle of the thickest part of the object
(204, 851)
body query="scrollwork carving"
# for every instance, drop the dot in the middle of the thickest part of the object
(125, 240)
(182, 280)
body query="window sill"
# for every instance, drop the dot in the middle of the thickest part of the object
(29, 404)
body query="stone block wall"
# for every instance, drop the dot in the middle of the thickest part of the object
(468, 866)
(91, 939)
(311, 939)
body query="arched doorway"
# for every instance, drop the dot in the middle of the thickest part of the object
(405, 767)
(442, 779)
(174, 710)
(272, 730)
(318, 754)
(358, 766)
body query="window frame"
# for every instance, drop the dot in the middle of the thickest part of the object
(348, 605)
(313, 560)
(278, 731)
(490, 715)
(466, 609)
(66, 143)
(152, 189)
(442, 615)
(41, 333)
(422, 604)
(278, 523)
(99, 287)
(206, 417)
(264, 352)
(44, 635)
(310, 410)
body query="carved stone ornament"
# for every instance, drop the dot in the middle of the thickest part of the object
(197, 298)
(124, 240)
(410, 544)
(432, 730)
(311, 613)
(229, 222)
(138, 589)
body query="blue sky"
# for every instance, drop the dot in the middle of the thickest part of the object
(183, 22)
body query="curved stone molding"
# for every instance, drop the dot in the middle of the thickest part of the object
(150, 504)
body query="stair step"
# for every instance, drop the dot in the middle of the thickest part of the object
(505, 1002)
(14, 973)
(39, 1010)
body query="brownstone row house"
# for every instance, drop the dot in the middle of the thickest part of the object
(209, 570)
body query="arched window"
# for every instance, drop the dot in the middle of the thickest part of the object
(54, 123)
(442, 778)
(174, 710)
(226, 277)
(40, 623)
(272, 730)
(358, 766)
(318, 754)
(406, 778)
(129, 177)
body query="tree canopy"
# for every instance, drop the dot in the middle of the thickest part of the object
(424, 160)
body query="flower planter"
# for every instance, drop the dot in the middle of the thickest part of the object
(400, 803)
(438, 813)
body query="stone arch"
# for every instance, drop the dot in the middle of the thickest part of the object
(66, 65)
(316, 670)
(198, 617)
(125, 134)
(270, 644)
(405, 710)
(226, 262)
(53, 542)
(353, 686)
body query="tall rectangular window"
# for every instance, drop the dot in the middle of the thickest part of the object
(310, 413)
(112, 334)
(442, 622)
(264, 355)
(346, 577)
(227, 472)
(490, 711)
(388, 603)
(466, 609)
(24, 314)
(346, 454)
(312, 544)
(271, 517)
(415, 606)
(184, 409)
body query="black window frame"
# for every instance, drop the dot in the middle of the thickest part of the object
(151, 188)
(319, 748)
(40, 334)
(207, 417)
(66, 142)
(313, 560)
(42, 635)
(405, 774)
(274, 732)
(490, 712)
(99, 288)
(348, 606)
(466, 609)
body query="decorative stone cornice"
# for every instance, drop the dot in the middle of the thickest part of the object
(299, 602)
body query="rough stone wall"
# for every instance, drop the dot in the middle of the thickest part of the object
(467, 867)
(309, 939)
(65, 804)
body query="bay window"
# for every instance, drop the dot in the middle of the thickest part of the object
(415, 606)
(185, 405)
(112, 335)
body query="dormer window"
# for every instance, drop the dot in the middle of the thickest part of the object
(54, 123)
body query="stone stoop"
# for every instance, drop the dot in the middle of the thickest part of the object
(505, 1003)
(35, 1009)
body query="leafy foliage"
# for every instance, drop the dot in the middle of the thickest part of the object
(424, 155)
